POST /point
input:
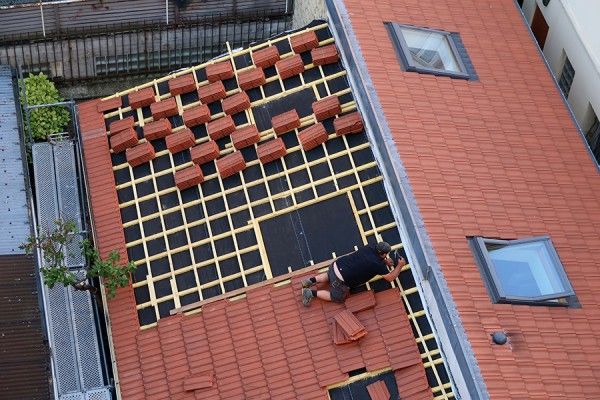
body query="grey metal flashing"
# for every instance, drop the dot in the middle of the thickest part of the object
(14, 213)
(441, 308)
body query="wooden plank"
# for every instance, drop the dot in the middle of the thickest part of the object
(238, 292)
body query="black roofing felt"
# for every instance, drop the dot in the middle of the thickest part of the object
(295, 239)
(358, 390)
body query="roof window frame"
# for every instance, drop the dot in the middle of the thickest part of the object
(493, 282)
(402, 50)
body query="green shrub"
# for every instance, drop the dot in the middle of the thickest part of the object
(45, 120)
(53, 244)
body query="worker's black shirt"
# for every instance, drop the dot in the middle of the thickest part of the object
(361, 266)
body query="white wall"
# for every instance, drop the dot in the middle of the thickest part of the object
(574, 30)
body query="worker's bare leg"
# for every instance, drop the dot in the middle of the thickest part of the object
(324, 295)
(321, 278)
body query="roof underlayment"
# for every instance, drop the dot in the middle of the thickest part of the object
(223, 212)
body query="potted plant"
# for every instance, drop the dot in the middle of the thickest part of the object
(44, 121)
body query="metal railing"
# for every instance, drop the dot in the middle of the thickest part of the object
(141, 49)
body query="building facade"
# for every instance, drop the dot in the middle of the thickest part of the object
(567, 32)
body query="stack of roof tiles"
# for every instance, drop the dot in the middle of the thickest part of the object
(157, 129)
(141, 98)
(188, 177)
(124, 135)
(140, 154)
(205, 152)
(349, 325)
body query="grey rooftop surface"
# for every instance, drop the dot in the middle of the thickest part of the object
(14, 217)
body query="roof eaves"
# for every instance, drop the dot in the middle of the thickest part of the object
(459, 353)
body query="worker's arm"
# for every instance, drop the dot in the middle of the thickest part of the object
(396, 271)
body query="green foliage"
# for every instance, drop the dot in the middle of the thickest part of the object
(114, 276)
(53, 244)
(45, 120)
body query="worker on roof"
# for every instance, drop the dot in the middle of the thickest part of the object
(353, 270)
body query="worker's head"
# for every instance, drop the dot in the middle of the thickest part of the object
(383, 248)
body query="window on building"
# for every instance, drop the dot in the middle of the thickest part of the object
(526, 271)
(431, 51)
(566, 77)
(593, 138)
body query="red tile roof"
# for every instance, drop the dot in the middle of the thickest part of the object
(266, 345)
(109, 230)
(269, 346)
(497, 157)
(258, 346)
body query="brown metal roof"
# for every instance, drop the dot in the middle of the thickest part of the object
(24, 355)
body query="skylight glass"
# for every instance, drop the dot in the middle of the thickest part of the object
(430, 49)
(523, 271)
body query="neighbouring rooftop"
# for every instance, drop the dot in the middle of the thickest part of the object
(23, 345)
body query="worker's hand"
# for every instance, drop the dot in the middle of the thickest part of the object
(388, 261)
(401, 262)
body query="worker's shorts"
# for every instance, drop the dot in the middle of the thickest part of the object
(337, 288)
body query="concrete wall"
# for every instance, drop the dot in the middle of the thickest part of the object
(574, 32)
(306, 11)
